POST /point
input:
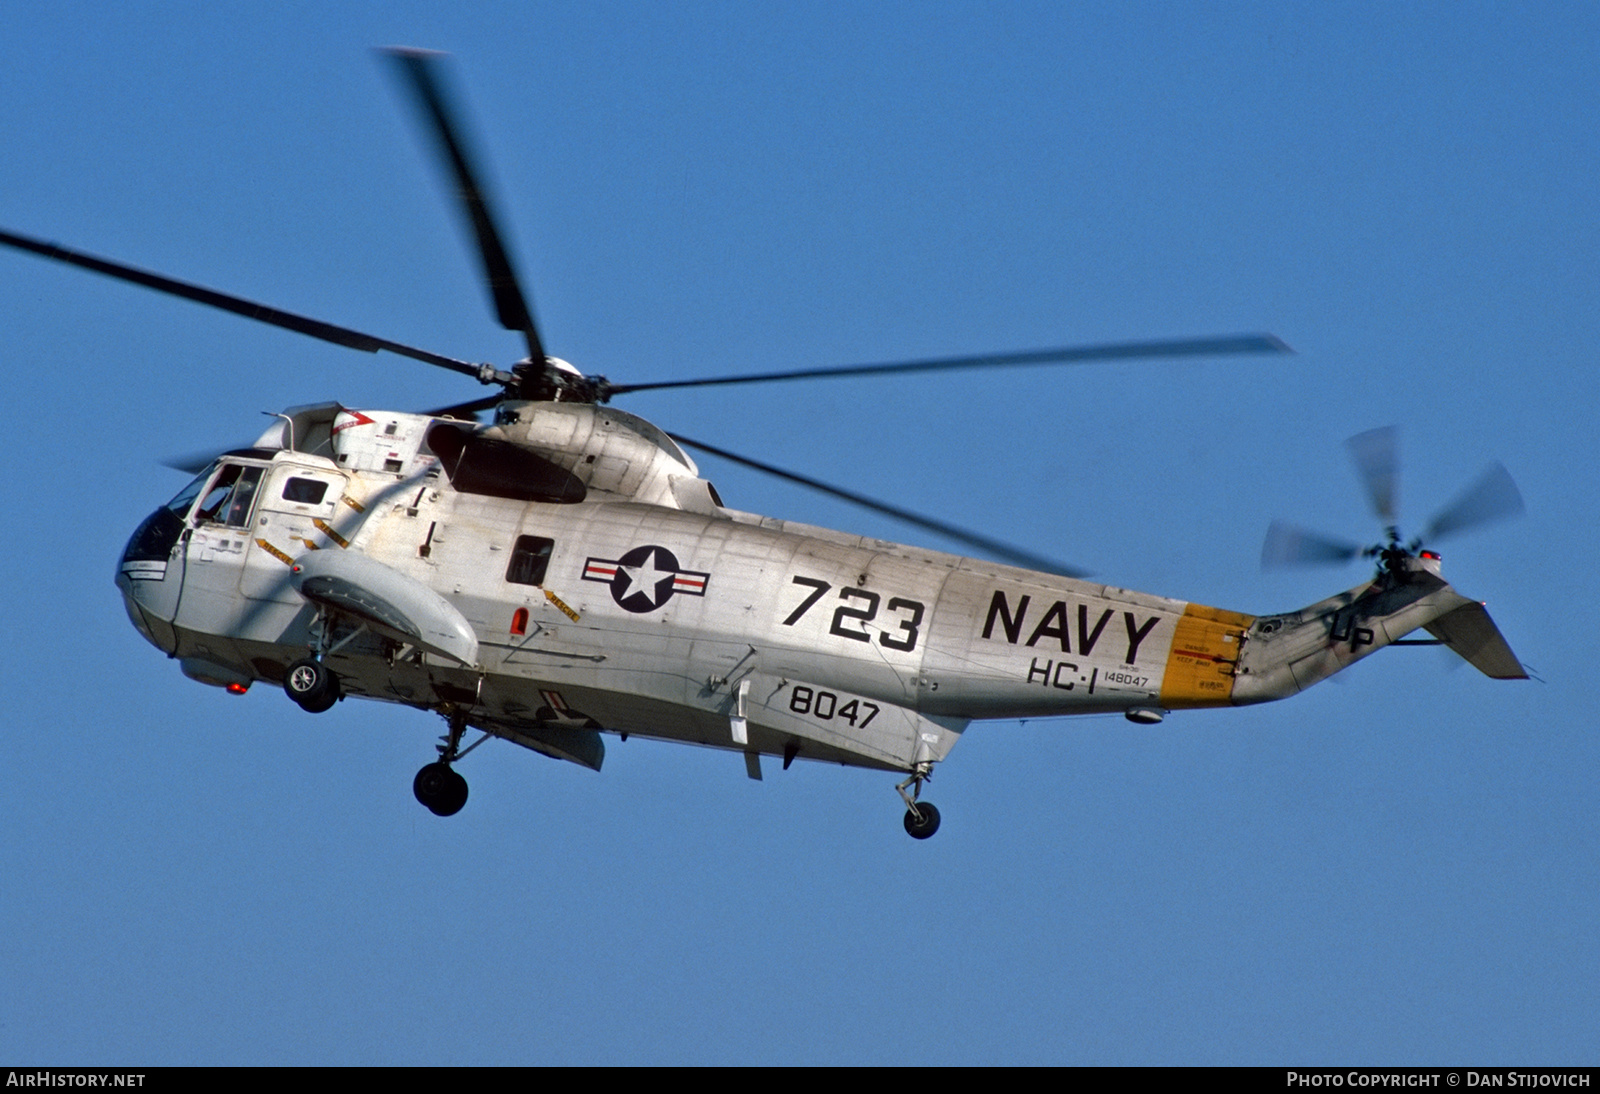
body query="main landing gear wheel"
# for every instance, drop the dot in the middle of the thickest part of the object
(439, 787)
(311, 685)
(924, 825)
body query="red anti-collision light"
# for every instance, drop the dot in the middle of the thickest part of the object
(238, 689)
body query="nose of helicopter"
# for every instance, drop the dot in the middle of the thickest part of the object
(149, 576)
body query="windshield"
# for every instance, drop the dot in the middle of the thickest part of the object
(186, 496)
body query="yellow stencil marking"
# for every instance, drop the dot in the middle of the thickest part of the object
(557, 601)
(1205, 653)
(352, 503)
(274, 552)
(326, 529)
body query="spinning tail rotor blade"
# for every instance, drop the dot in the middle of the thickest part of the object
(1114, 351)
(1377, 457)
(1376, 454)
(424, 75)
(992, 547)
(1493, 497)
(1289, 545)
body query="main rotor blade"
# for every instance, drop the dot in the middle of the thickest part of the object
(1377, 457)
(1493, 497)
(328, 332)
(465, 410)
(1112, 351)
(1004, 551)
(192, 462)
(425, 77)
(1289, 545)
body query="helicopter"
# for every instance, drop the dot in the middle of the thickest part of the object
(564, 572)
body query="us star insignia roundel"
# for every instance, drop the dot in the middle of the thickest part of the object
(645, 578)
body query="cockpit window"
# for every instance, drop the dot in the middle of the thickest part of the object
(217, 496)
(244, 496)
(230, 496)
(530, 558)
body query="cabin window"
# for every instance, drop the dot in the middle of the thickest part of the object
(530, 558)
(304, 491)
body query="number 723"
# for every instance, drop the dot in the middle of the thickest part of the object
(859, 607)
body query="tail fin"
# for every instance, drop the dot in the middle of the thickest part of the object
(1470, 632)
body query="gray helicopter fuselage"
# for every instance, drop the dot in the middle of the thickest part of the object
(566, 571)
(634, 603)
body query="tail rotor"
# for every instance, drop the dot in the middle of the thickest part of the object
(1492, 497)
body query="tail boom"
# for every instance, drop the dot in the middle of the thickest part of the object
(1287, 653)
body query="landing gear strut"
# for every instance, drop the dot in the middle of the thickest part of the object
(438, 785)
(311, 685)
(922, 819)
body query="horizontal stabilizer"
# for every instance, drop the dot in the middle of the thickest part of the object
(1470, 632)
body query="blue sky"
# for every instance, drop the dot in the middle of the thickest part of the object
(1397, 867)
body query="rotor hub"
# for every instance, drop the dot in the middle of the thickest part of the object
(555, 381)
